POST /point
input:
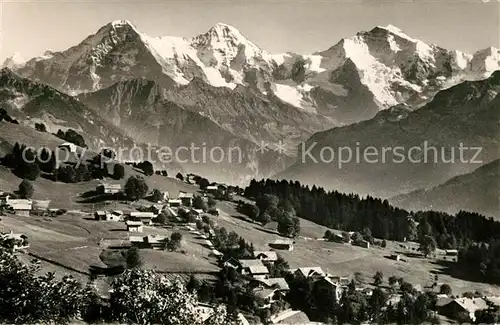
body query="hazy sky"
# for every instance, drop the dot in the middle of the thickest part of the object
(31, 27)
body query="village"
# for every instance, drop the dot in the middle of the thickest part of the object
(141, 229)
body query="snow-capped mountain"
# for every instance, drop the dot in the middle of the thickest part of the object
(351, 81)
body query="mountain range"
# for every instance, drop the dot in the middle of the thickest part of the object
(465, 115)
(378, 87)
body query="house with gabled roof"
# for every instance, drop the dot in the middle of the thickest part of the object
(20, 207)
(285, 244)
(254, 268)
(266, 256)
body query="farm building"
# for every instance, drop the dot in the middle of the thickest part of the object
(282, 244)
(20, 207)
(151, 241)
(71, 147)
(106, 188)
(135, 226)
(266, 256)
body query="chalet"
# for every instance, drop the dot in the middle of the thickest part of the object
(362, 243)
(289, 317)
(212, 189)
(266, 256)
(451, 252)
(135, 226)
(151, 241)
(282, 244)
(156, 208)
(106, 188)
(343, 280)
(115, 215)
(186, 198)
(174, 203)
(20, 207)
(254, 268)
(19, 241)
(309, 272)
(279, 284)
(145, 217)
(71, 147)
(41, 204)
(463, 309)
(330, 286)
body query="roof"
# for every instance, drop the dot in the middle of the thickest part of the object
(67, 144)
(138, 214)
(107, 185)
(20, 204)
(268, 255)
(250, 263)
(310, 271)
(289, 317)
(263, 292)
(136, 239)
(471, 305)
(211, 187)
(183, 195)
(258, 270)
(217, 253)
(134, 223)
(154, 239)
(101, 213)
(282, 242)
(280, 282)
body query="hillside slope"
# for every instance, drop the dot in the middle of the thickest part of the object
(478, 191)
(464, 115)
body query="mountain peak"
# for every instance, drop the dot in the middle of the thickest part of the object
(224, 32)
(391, 29)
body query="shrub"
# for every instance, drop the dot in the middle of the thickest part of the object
(136, 188)
(26, 189)
(118, 171)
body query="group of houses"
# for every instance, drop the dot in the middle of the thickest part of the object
(464, 309)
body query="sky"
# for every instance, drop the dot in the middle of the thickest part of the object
(32, 27)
